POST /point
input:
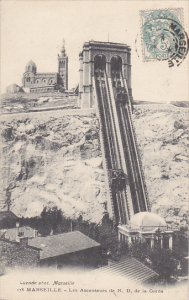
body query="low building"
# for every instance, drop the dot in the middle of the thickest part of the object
(17, 233)
(14, 88)
(71, 248)
(149, 227)
(66, 249)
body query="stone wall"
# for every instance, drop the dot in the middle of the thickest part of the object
(18, 254)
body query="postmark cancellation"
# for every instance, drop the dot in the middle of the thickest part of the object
(163, 36)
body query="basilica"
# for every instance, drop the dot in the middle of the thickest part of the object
(34, 82)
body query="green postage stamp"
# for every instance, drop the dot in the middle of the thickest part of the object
(163, 36)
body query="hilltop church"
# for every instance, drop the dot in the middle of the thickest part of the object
(34, 82)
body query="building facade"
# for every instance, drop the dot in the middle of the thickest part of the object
(34, 82)
(107, 55)
(147, 227)
(17, 233)
(67, 249)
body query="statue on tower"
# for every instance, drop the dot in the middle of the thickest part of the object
(63, 50)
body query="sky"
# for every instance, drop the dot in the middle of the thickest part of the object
(35, 30)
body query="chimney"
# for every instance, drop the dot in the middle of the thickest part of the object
(24, 241)
(17, 226)
(18, 231)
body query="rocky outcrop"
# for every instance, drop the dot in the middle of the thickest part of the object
(54, 158)
(162, 132)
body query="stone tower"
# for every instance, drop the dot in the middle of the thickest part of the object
(63, 67)
(112, 56)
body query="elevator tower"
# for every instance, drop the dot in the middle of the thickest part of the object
(111, 55)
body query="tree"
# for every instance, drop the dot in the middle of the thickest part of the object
(139, 249)
(51, 217)
(164, 262)
(107, 236)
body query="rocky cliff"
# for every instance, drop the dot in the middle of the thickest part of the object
(54, 158)
(162, 132)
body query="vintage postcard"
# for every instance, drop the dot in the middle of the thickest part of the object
(94, 150)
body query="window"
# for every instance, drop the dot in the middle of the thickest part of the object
(62, 64)
(27, 79)
(21, 233)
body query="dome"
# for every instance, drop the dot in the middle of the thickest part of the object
(147, 221)
(31, 67)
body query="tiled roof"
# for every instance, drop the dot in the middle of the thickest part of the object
(130, 268)
(60, 244)
(47, 73)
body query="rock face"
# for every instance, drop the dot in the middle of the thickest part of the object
(162, 132)
(53, 158)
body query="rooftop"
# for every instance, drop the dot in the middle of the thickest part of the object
(107, 45)
(47, 73)
(13, 233)
(61, 244)
(31, 63)
(147, 221)
(130, 268)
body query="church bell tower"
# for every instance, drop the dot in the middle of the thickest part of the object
(63, 67)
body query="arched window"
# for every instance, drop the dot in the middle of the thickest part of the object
(116, 64)
(100, 62)
(51, 81)
(28, 79)
(62, 64)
